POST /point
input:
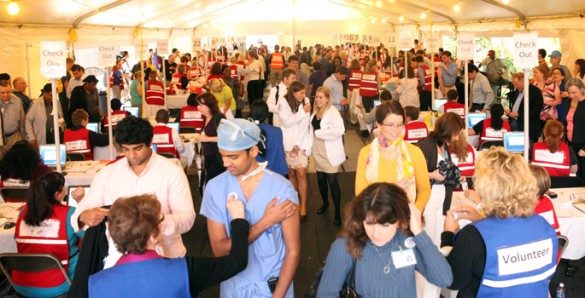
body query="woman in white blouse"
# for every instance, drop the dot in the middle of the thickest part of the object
(253, 75)
(327, 130)
(295, 113)
(408, 89)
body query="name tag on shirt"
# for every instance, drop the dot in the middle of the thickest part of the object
(117, 118)
(368, 77)
(156, 88)
(356, 75)
(525, 258)
(76, 145)
(160, 138)
(458, 111)
(546, 155)
(492, 133)
(403, 258)
(49, 228)
(417, 133)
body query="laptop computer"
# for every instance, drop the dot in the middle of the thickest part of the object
(49, 155)
(70, 201)
(93, 126)
(514, 141)
(132, 110)
(474, 118)
(174, 125)
(439, 103)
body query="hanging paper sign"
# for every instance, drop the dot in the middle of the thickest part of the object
(241, 39)
(370, 39)
(350, 38)
(106, 56)
(465, 46)
(391, 39)
(405, 41)
(214, 42)
(196, 44)
(53, 55)
(141, 51)
(526, 50)
(432, 43)
(162, 47)
(231, 39)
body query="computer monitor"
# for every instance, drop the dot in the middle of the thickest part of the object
(174, 125)
(377, 103)
(474, 118)
(49, 155)
(132, 110)
(70, 201)
(439, 103)
(514, 141)
(93, 126)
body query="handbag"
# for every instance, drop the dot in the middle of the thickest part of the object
(549, 112)
(347, 291)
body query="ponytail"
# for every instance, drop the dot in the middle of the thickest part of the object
(41, 196)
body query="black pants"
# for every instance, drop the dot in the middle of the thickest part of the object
(325, 182)
(368, 102)
(426, 101)
(580, 160)
(255, 91)
(212, 167)
(477, 107)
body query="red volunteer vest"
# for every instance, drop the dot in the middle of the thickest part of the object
(355, 78)
(490, 134)
(49, 237)
(467, 167)
(220, 59)
(176, 81)
(369, 84)
(155, 93)
(117, 116)
(415, 130)
(428, 79)
(163, 138)
(196, 72)
(277, 61)
(190, 116)
(214, 76)
(455, 107)
(112, 78)
(77, 141)
(210, 62)
(556, 164)
(234, 71)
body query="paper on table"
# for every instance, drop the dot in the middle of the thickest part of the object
(580, 207)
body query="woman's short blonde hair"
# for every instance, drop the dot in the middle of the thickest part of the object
(505, 184)
(216, 85)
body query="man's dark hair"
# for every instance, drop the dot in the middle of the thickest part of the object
(418, 59)
(316, 65)
(447, 53)
(133, 131)
(76, 67)
(342, 70)
(192, 100)
(162, 116)
(542, 53)
(292, 58)
(4, 77)
(259, 110)
(471, 67)
(116, 104)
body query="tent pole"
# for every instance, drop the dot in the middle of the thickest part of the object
(526, 111)
(466, 97)
(56, 123)
(27, 46)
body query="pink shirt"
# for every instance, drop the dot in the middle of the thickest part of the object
(570, 124)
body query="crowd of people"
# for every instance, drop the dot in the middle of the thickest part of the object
(398, 232)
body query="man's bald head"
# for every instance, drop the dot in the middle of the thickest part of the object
(19, 84)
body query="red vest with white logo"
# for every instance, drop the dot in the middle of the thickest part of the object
(77, 141)
(415, 130)
(454, 107)
(155, 93)
(467, 167)
(490, 134)
(210, 62)
(220, 59)
(190, 116)
(428, 79)
(277, 61)
(117, 116)
(114, 69)
(196, 72)
(556, 164)
(369, 84)
(355, 78)
(163, 138)
(176, 81)
(49, 237)
(234, 71)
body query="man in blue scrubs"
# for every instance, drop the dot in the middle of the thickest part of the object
(271, 209)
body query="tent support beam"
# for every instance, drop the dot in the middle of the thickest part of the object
(95, 12)
(370, 8)
(507, 7)
(427, 9)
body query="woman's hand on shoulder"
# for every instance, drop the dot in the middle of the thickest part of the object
(235, 207)
(415, 220)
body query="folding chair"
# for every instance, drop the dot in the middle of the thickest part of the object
(563, 243)
(75, 157)
(14, 194)
(187, 129)
(30, 262)
(487, 144)
(566, 181)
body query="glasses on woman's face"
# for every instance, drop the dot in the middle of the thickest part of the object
(393, 125)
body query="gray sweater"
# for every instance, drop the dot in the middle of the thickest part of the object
(370, 280)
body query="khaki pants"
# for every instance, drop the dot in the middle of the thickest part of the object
(275, 76)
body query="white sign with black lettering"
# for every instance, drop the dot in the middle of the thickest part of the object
(417, 133)
(162, 47)
(141, 52)
(465, 46)
(49, 228)
(406, 41)
(525, 258)
(53, 55)
(106, 56)
(160, 138)
(546, 155)
(525, 50)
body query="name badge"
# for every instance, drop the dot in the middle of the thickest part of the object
(193, 115)
(356, 75)
(403, 258)
(117, 118)
(156, 88)
(525, 258)
(492, 133)
(160, 139)
(417, 133)
(458, 111)
(49, 228)
(76, 145)
(369, 77)
(546, 155)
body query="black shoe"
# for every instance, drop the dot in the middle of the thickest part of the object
(323, 209)
(337, 221)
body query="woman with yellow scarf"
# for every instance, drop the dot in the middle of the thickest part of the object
(390, 159)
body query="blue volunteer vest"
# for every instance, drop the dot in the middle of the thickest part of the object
(521, 256)
(151, 278)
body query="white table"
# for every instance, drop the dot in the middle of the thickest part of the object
(7, 242)
(571, 220)
(177, 101)
(82, 172)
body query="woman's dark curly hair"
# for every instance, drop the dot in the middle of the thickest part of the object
(380, 203)
(20, 161)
